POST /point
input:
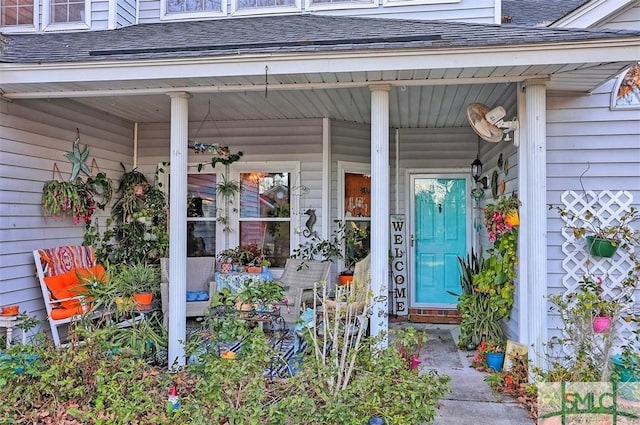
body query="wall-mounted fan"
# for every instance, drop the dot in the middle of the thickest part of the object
(489, 123)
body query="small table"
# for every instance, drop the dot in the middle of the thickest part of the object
(273, 319)
(235, 281)
(8, 322)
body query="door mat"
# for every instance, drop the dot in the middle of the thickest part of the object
(440, 350)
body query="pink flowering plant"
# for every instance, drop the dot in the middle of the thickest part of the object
(496, 217)
(496, 279)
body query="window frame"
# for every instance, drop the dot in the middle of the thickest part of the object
(291, 167)
(392, 3)
(348, 167)
(47, 25)
(7, 29)
(309, 5)
(192, 168)
(165, 15)
(236, 11)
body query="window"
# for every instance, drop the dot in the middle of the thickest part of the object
(248, 7)
(189, 9)
(355, 204)
(66, 14)
(247, 4)
(64, 11)
(265, 214)
(17, 13)
(201, 215)
(179, 6)
(339, 4)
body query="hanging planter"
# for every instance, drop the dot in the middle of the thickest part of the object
(601, 324)
(512, 218)
(601, 247)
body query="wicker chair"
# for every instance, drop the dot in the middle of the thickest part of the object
(298, 279)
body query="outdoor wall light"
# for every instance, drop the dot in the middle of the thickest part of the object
(476, 172)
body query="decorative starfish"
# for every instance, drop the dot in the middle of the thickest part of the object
(78, 159)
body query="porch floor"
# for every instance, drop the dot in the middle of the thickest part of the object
(471, 401)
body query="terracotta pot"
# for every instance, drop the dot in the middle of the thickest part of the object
(253, 269)
(143, 299)
(10, 310)
(345, 279)
(601, 324)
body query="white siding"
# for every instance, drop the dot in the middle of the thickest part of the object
(125, 13)
(585, 136)
(34, 136)
(477, 11)
(99, 15)
(627, 19)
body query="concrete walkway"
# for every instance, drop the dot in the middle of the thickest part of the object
(471, 401)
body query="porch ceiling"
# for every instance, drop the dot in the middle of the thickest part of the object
(419, 98)
(410, 106)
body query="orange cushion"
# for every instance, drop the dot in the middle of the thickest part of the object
(71, 284)
(63, 313)
(64, 286)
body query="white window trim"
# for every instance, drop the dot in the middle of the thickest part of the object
(343, 168)
(12, 29)
(192, 168)
(309, 5)
(291, 167)
(391, 3)
(47, 25)
(176, 16)
(236, 11)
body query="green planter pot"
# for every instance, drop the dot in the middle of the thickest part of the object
(601, 247)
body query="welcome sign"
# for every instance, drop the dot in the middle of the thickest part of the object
(399, 265)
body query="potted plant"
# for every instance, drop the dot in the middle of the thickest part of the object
(409, 342)
(602, 239)
(227, 189)
(238, 256)
(268, 292)
(495, 354)
(139, 281)
(136, 231)
(348, 243)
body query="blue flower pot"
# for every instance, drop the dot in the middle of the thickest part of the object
(495, 361)
(628, 378)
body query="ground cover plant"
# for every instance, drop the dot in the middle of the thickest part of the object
(91, 383)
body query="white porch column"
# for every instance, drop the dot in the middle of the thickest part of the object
(535, 217)
(380, 209)
(178, 228)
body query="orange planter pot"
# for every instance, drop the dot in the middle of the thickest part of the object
(143, 299)
(345, 279)
(512, 218)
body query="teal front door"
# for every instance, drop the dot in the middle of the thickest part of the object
(440, 236)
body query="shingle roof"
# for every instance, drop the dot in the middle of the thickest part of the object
(273, 34)
(537, 12)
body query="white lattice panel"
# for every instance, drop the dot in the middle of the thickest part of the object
(609, 207)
